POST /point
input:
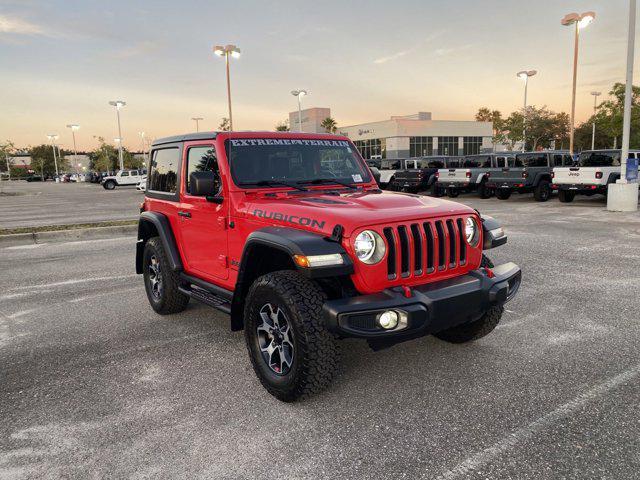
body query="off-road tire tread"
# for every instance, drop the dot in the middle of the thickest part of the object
(566, 197)
(484, 192)
(537, 192)
(502, 194)
(316, 346)
(175, 301)
(475, 330)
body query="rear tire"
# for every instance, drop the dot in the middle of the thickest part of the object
(109, 185)
(484, 191)
(160, 282)
(452, 192)
(310, 356)
(542, 192)
(566, 196)
(503, 193)
(435, 190)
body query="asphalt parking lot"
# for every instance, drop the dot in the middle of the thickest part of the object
(94, 384)
(47, 203)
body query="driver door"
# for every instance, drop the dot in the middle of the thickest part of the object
(203, 224)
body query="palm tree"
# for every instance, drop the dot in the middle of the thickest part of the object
(329, 125)
(224, 125)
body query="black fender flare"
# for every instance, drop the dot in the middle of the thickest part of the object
(541, 176)
(432, 179)
(149, 223)
(613, 177)
(492, 233)
(292, 242)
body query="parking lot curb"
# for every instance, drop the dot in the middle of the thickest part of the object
(71, 235)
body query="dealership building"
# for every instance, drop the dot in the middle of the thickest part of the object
(419, 135)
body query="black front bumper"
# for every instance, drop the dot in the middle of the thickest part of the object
(429, 309)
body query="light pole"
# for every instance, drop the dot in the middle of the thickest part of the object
(623, 195)
(52, 138)
(142, 134)
(197, 120)
(593, 131)
(74, 128)
(525, 74)
(119, 104)
(580, 20)
(226, 51)
(299, 94)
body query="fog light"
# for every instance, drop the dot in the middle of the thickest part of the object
(388, 320)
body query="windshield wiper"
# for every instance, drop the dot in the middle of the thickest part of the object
(319, 181)
(270, 183)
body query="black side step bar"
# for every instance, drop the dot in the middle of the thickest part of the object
(207, 293)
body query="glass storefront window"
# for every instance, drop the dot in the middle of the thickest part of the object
(420, 146)
(376, 147)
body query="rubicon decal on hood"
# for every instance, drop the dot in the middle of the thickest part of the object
(295, 219)
(250, 142)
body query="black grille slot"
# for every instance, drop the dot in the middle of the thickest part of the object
(391, 254)
(453, 237)
(404, 250)
(363, 321)
(442, 261)
(418, 249)
(462, 241)
(431, 247)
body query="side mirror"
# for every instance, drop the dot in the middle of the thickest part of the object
(205, 184)
(376, 174)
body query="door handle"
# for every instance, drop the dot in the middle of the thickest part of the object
(184, 214)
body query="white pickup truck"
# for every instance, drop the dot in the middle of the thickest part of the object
(124, 178)
(592, 174)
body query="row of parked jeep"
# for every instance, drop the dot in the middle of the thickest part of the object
(504, 173)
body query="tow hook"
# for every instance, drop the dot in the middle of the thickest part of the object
(489, 273)
(406, 291)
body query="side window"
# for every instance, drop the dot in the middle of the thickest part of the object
(134, 173)
(202, 159)
(568, 161)
(163, 176)
(124, 173)
(557, 159)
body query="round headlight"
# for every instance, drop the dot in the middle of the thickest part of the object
(471, 231)
(369, 247)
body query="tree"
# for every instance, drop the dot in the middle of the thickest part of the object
(283, 126)
(224, 126)
(105, 158)
(6, 150)
(43, 160)
(329, 125)
(495, 117)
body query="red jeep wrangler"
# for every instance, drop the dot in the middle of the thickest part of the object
(290, 235)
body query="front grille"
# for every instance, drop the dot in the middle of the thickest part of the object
(416, 249)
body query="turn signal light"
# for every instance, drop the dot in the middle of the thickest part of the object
(437, 174)
(525, 174)
(468, 174)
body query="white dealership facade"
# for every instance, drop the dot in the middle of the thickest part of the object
(419, 135)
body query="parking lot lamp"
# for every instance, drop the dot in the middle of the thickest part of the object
(299, 94)
(226, 52)
(578, 21)
(525, 74)
(593, 131)
(142, 134)
(52, 138)
(73, 128)
(197, 120)
(119, 104)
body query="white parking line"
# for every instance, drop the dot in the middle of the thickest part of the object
(550, 419)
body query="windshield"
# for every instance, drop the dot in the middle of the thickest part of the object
(477, 162)
(531, 160)
(599, 159)
(254, 160)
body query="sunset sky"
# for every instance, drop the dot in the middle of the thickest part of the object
(62, 61)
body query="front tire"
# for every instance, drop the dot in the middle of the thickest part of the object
(469, 332)
(566, 196)
(160, 282)
(542, 192)
(109, 185)
(292, 352)
(503, 193)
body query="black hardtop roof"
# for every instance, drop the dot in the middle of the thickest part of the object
(609, 150)
(212, 135)
(543, 151)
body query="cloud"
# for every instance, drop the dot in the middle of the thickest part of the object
(19, 26)
(441, 52)
(402, 53)
(139, 48)
(393, 56)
